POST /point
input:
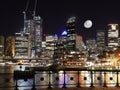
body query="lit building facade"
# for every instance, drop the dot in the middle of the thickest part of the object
(100, 40)
(113, 35)
(91, 48)
(28, 26)
(2, 47)
(34, 27)
(79, 43)
(71, 33)
(63, 41)
(22, 45)
(10, 47)
(91, 45)
(38, 35)
(50, 45)
(61, 45)
(43, 48)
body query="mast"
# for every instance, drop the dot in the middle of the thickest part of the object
(24, 13)
(35, 5)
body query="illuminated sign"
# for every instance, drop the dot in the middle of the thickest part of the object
(64, 33)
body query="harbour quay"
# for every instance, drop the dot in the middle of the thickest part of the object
(59, 78)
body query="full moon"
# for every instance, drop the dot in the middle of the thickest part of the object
(88, 24)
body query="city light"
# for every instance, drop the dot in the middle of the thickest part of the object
(69, 44)
(64, 33)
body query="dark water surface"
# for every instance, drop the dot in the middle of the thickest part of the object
(57, 79)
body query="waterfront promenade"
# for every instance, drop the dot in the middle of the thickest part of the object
(59, 79)
(85, 88)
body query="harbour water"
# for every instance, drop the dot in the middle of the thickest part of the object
(60, 79)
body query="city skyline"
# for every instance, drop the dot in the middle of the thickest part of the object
(55, 14)
(59, 44)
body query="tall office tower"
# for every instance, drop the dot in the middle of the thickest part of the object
(113, 35)
(100, 39)
(29, 28)
(63, 40)
(38, 35)
(1, 47)
(79, 43)
(50, 45)
(34, 27)
(22, 45)
(61, 45)
(71, 30)
(10, 46)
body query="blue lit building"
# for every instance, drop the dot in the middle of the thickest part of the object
(61, 45)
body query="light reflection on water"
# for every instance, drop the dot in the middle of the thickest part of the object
(71, 79)
(57, 79)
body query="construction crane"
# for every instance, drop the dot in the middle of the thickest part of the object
(35, 5)
(26, 8)
(24, 12)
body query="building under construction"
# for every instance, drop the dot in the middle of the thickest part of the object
(33, 26)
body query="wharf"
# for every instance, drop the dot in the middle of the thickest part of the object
(84, 88)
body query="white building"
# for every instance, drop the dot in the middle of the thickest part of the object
(113, 35)
(50, 45)
(22, 45)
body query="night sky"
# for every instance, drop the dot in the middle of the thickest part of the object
(56, 12)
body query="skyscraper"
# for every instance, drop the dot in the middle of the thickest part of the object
(100, 39)
(61, 45)
(71, 33)
(34, 28)
(63, 41)
(38, 35)
(113, 35)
